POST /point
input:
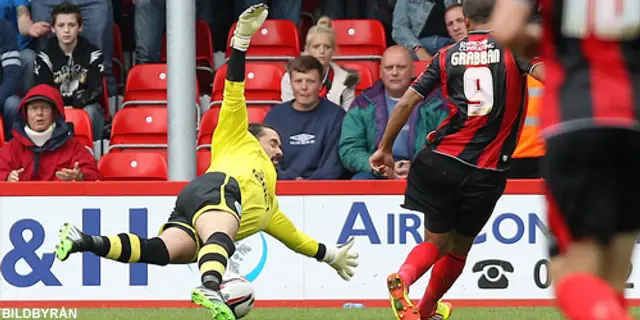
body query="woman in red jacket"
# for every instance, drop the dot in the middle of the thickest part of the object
(43, 147)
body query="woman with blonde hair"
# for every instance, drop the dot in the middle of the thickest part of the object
(338, 84)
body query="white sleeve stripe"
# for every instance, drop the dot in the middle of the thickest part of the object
(11, 62)
(11, 54)
(416, 91)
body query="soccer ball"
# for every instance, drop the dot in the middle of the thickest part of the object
(238, 293)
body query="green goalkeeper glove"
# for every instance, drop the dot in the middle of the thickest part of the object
(343, 259)
(248, 23)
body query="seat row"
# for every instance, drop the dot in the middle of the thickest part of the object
(277, 40)
(144, 165)
(143, 118)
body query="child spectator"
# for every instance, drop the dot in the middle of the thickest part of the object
(338, 85)
(308, 125)
(73, 65)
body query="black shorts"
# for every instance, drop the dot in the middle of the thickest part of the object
(452, 195)
(210, 191)
(592, 182)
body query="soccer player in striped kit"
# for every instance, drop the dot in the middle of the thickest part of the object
(456, 180)
(590, 121)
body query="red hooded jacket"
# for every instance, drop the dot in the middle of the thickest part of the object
(61, 151)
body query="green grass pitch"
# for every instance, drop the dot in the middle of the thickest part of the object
(322, 314)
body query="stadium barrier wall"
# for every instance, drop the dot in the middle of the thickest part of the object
(506, 267)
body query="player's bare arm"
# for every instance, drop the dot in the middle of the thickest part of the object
(509, 18)
(510, 27)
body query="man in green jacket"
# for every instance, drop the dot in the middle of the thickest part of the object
(367, 118)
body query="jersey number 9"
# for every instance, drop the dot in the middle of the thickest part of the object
(610, 20)
(478, 89)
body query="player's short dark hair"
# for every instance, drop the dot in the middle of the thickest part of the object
(478, 11)
(453, 6)
(304, 64)
(66, 8)
(257, 129)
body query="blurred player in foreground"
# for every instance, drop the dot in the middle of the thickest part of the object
(235, 199)
(459, 176)
(590, 123)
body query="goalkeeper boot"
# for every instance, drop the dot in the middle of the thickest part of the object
(402, 306)
(249, 22)
(71, 240)
(443, 312)
(213, 301)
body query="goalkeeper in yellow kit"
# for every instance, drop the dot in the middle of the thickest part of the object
(235, 199)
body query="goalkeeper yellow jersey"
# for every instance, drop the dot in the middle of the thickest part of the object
(237, 153)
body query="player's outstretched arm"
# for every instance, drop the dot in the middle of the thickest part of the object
(233, 120)
(343, 259)
(510, 28)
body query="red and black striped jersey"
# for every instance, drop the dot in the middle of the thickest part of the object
(485, 86)
(591, 51)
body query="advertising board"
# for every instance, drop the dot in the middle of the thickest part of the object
(507, 265)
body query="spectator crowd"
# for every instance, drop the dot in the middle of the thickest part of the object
(61, 61)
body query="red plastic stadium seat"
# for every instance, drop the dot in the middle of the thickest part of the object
(205, 63)
(147, 87)
(148, 82)
(208, 125)
(203, 157)
(204, 54)
(1, 132)
(139, 128)
(81, 125)
(256, 114)
(262, 83)
(276, 40)
(204, 44)
(139, 166)
(366, 76)
(359, 39)
(419, 67)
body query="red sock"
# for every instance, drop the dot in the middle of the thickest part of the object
(444, 274)
(622, 300)
(418, 262)
(586, 297)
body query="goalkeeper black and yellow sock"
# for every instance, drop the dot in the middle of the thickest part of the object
(130, 248)
(213, 257)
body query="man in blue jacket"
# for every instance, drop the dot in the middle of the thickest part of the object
(309, 126)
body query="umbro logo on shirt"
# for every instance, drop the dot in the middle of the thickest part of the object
(302, 139)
